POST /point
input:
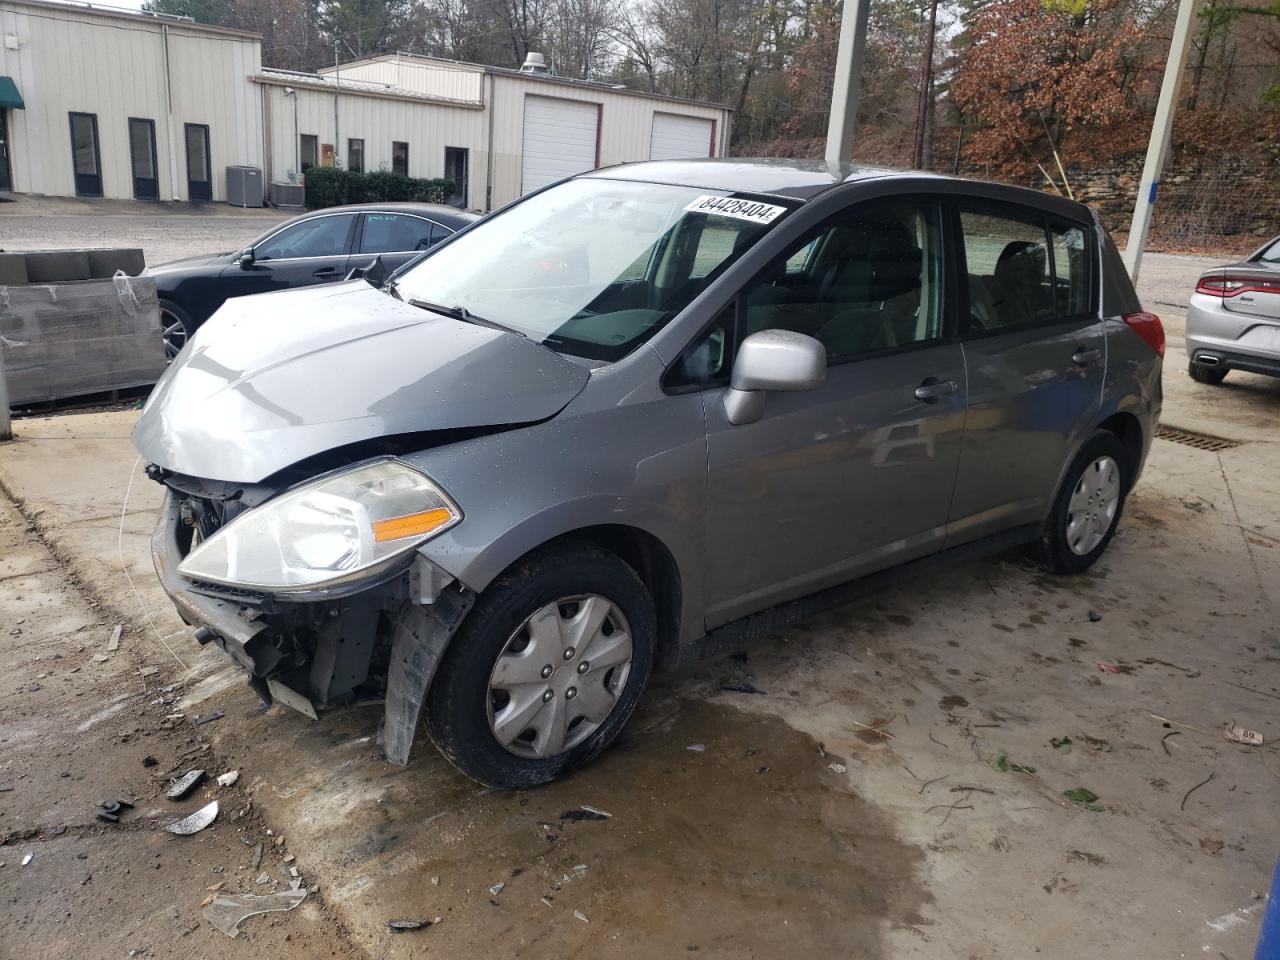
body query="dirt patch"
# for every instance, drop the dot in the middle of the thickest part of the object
(750, 846)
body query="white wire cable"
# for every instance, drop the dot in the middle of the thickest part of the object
(124, 509)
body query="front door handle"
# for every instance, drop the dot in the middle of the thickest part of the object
(1084, 356)
(325, 272)
(933, 389)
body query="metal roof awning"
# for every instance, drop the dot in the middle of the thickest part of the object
(9, 95)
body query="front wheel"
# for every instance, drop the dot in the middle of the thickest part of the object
(1088, 507)
(545, 670)
(177, 327)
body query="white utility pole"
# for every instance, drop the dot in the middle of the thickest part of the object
(847, 88)
(1161, 132)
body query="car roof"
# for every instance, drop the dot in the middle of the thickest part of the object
(440, 212)
(804, 180)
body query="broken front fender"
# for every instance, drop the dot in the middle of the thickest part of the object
(385, 640)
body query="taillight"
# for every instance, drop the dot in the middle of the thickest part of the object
(1220, 286)
(1149, 328)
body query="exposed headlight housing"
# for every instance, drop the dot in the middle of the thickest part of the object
(338, 528)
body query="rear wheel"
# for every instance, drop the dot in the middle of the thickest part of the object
(1203, 374)
(1088, 507)
(177, 327)
(546, 668)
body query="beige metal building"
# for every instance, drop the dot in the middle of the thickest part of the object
(113, 104)
(100, 102)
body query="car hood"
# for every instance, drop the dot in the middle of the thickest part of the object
(274, 379)
(192, 263)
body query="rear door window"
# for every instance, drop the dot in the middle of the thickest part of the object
(1024, 269)
(395, 233)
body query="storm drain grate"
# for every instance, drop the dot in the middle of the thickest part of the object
(1190, 438)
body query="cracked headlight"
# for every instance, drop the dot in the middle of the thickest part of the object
(331, 530)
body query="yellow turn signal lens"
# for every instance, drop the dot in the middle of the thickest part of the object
(412, 525)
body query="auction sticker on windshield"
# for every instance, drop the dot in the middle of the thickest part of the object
(739, 209)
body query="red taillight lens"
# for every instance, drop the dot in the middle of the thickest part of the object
(1219, 286)
(1149, 328)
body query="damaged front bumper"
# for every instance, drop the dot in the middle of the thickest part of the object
(381, 638)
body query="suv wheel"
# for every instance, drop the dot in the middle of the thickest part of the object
(1088, 507)
(545, 670)
(1204, 374)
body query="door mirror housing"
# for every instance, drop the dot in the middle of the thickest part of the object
(246, 258)
(772, 360)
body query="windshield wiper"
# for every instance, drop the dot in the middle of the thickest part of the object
(459, 312)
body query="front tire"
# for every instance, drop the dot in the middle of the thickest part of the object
(546, 669)
(177, 327)
(1088, 507)
(1202, 374)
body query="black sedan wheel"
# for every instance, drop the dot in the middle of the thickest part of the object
(177, 328)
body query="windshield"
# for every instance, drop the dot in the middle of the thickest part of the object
(591, 267)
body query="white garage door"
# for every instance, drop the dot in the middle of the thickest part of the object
(678, 138)
(559, 140)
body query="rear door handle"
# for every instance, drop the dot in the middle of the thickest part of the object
(325, 272)
(933, 389)
(1084, 356)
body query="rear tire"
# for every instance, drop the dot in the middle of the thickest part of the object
(1202, 374)
(514, 669)
(1087, 509)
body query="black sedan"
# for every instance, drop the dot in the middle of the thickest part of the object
(317, 247)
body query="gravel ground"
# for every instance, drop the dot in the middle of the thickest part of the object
(164, 231)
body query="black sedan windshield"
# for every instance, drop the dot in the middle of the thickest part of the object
(591, 267)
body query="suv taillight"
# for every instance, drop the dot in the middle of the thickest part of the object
(1216, 285)
(1149, 328)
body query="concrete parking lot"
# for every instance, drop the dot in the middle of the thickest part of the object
(896, 789)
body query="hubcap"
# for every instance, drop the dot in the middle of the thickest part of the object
(175, 334)
(1093, 505)
(559, 676)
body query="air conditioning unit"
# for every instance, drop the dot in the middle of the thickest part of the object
(244, 186)
(285, 194)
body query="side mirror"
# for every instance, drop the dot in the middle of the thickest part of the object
(772, 360)
(246, 258)
(374, 272)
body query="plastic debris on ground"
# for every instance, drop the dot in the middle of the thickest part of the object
(579, 915)
(696, 747)
(195, 822)
(109, 811)
(179, 787)
(27, 858)
(837, 768)
(586, 813)
(402, 925)
(229, 778)
(1238, 734)
(497, 888)
(228, 911)
(207, 718)
(114, 643)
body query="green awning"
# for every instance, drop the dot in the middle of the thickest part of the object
(9, 95)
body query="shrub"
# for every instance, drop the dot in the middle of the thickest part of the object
(333, 186)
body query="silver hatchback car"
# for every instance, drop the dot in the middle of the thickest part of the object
(636, 417)
(1233, 319)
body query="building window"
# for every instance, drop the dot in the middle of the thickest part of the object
(84, 154)
(400, 157)
(355, 156)
(310, 151)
